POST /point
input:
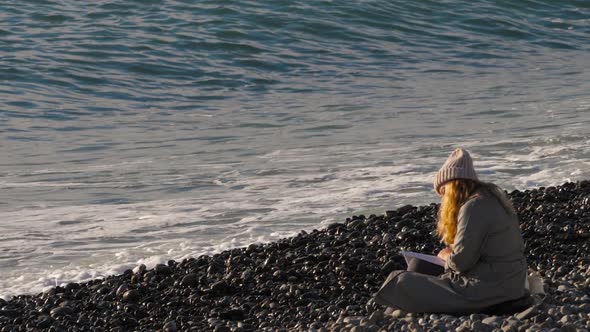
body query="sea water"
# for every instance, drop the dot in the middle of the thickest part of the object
(142, 131)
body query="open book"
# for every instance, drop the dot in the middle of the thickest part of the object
(429, 258)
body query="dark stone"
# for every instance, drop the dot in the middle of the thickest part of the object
(162, 269)
(72, 286)
(233, 314)
(388, 268)
(140, 269)
(221, 288)
(247, 274)
(216, 267)
(170, 326)
(122, 289)
(60, 311)
(131, 296)
(189, 280)
(103, 290)
(44, 322)
(8, 313)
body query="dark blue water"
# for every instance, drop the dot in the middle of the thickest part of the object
(137, 131)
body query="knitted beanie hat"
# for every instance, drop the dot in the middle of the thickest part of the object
(458, 166)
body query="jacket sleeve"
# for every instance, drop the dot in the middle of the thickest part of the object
(472, 230)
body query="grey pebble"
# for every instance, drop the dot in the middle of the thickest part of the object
(527, 313)
(355, 320)
(60, 311)
(170, 326)
(565, 319)
(510, 326)
(398, 313)
(221, 328)
(464, 327)
(480, 326)
(377, 315)
(413, 327)
(493, 321)
(365, 321)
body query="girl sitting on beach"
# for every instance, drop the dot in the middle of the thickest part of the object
(484, 259)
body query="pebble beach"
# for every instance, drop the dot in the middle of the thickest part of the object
(322, 280)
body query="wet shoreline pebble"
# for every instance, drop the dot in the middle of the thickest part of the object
(323, 280)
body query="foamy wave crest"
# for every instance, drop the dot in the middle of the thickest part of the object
(48, 245)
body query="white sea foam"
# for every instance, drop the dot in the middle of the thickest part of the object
(302, 188)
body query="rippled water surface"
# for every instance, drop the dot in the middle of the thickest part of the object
(138, 131)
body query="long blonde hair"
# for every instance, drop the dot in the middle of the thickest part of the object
(455, 194)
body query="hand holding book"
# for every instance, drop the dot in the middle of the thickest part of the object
(445, 253)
